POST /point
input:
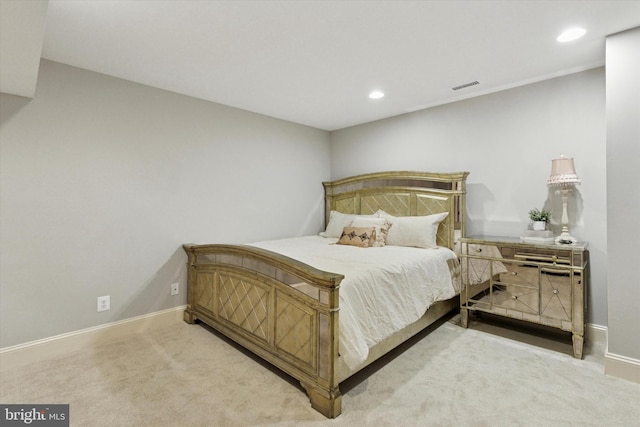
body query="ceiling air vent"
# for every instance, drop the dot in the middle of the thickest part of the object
(465, 85)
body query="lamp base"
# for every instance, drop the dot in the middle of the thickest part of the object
(565, 239)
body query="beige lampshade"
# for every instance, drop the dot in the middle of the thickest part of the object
(563, 172)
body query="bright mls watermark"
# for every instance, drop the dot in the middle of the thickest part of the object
(34, 415)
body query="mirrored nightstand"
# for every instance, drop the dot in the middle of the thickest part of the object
(539, 283)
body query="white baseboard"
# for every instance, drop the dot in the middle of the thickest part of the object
(596, 334)
(623, 367)
(35, 351)
(615, 365)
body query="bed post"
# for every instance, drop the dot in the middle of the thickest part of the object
(324, 392)
(327, 402)
(189, 315)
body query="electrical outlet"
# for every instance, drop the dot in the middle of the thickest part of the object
(104, 303)
(175, 288)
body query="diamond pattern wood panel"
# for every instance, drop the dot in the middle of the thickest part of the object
(346, 205)
(203, 292)
(397, 204)
(244, 302)
(295, 327)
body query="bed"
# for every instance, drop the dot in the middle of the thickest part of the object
(288, 311)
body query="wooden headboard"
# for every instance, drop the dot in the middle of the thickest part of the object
(403, 194)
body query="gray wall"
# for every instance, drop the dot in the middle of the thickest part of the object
(623, 175)
(506, 140)
(102, 180)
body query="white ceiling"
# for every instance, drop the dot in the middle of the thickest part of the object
(314, 62)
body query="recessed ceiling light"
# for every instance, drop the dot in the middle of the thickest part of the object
(376, 94)
(571, 35)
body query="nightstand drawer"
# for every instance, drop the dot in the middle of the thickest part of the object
(543, 258)
(514, 290)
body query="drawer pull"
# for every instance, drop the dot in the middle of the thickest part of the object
(554, 270)
(553, 259)
(555, 291)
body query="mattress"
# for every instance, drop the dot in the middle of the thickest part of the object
(384, 289)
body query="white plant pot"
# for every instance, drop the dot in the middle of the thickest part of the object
(539, 225)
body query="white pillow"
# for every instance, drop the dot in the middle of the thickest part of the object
(338, 221)
(415, 231)
(380, 224)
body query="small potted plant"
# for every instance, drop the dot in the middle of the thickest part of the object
(540, 218)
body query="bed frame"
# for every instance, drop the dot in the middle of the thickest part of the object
(287, 312)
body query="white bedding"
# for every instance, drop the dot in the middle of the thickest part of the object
(384, 289)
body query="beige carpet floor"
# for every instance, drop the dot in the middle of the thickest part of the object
(186, 375)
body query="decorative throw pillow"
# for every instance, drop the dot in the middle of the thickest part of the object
(338, 221)
(381, 225)
(358, 236)
(415, 231)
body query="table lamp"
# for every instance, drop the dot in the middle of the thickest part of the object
(563, 175)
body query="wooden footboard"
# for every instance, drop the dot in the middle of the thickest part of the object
(281, 309)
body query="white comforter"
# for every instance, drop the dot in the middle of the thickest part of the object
(384, 289)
